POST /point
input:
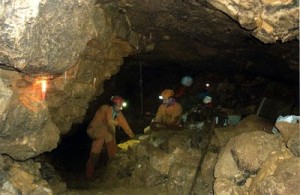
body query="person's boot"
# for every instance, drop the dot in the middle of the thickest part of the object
(90, 168)
(90, 165)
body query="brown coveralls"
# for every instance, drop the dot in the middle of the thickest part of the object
(168, 115)
(102, 128)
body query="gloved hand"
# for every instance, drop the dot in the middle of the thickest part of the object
(132, 135)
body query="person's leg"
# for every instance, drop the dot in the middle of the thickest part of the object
(94, 157)
(111, 147)
(110, 141)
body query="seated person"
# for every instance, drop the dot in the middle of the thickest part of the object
(168, 115)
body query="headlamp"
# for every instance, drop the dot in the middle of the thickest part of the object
(160, 97)
(207, 84)
(124, 104)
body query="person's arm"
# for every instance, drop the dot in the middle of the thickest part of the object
(177, 114)
(157, 119)
(124, 124)
(157, 123)
(159, 113)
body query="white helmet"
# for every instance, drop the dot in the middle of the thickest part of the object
(187, 81)
(207, 99)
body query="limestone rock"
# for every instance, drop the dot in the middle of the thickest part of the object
(224, 186)
(226, 167)
(294, 144)
(224, 134)
(160, 160)
(253, 123)
(279, 174)
(145, 175)
(252, 149)
(5, 94)
(208, 166)
(26, 129)
(36, 38)
(266, 19)
(181, 178)
(23, 177)
(287, 129)
(32, 143)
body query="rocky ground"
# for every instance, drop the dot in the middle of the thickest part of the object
(124, 175)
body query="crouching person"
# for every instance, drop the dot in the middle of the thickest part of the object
(102, 130)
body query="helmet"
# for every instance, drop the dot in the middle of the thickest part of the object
(187, 81)
(165, 94)
(117, 100)
(207, 99)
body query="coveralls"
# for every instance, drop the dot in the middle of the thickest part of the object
(102, 129)
(167, 114)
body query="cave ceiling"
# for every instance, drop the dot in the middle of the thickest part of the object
(52, 36)
(194, 32)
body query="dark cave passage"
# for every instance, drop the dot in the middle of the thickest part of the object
(70, 157)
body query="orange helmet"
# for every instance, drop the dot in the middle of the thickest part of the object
(167, 93)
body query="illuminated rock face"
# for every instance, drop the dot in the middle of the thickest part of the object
(77, 45)
(72, 51)
(44, 36)
(269, 21)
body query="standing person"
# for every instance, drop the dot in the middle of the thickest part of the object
(102, 129)
(168, 115)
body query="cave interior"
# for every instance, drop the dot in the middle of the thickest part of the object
(248, 53)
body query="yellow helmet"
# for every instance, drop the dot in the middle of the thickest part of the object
(165, 94)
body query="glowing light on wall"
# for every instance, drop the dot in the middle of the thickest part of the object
(94, 81)
(65, 76)
(44, 88)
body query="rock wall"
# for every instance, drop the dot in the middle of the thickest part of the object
(256, 162)
(44, 36)
(72, 46)
(269, 21)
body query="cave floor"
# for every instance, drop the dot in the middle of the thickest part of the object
(70, 165)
